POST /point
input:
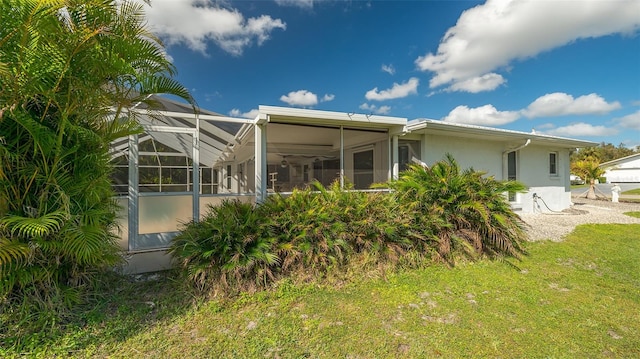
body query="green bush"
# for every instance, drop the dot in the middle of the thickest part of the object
(433, 213)
(466, 209)
(319, 228)
(229, 247)
(65, 68)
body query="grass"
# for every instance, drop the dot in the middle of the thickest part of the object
(633, 214)
(577, 298)
(632, 191)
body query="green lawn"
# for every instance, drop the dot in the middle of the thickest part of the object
(578, 298)
(632, 191)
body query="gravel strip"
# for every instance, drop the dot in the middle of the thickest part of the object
(555, 226)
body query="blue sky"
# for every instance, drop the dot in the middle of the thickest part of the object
(565, 68)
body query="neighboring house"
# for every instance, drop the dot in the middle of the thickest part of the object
(184, 162)
(623, 170)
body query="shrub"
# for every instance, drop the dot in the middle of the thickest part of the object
(319, 228)
(434, 212)
(229, 247)
(305, 234)
(467, 210)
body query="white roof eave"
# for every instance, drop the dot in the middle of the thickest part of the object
(488, 132)
(316, 117)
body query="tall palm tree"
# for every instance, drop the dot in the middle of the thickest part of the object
(65, 66)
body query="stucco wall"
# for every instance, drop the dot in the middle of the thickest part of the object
(554, 190)
(532, 168)
(481, 155)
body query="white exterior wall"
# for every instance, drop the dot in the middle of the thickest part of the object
(554, 190)
(628, 171)
(532, 168)
(481, 155)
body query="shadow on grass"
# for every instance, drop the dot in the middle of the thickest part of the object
(121, 307)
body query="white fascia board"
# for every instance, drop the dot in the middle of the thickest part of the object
(483, 132)
(192, 116)
(619, 160)
(311, 117)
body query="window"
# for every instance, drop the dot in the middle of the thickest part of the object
(241, 179)
(553, 163)
(407, 149)
(512, 172)
(209, 180)
(228, 177)
(363, 169)
(403, 157)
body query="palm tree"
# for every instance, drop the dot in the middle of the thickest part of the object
(466, 208)
(65, 66)
(588, 169)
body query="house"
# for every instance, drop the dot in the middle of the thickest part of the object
(185, 161)
(625, 169)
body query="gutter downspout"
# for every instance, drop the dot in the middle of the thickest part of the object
(504, 156)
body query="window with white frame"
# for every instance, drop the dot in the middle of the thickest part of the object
(228, 175)
(553, 163)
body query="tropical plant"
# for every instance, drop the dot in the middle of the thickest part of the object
(320, 228)
(589, 169)
(306, 235)
(309, 233)
(229, 248)
(67, 68)
(467, 210)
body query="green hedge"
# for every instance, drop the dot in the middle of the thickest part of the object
(432, 213)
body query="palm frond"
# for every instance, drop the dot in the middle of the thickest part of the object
(28, 227)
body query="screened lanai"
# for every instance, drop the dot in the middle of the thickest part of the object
(165, 177)
(183, 162)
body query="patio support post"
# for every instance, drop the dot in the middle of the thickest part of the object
(133, 190)
(261, 161)
(389, 156)
(196, 171)
(424, 150)
(341, 157)
(396, 166)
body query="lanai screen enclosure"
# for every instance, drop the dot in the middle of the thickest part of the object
(185, 161)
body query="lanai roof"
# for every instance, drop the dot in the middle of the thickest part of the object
(217, 132)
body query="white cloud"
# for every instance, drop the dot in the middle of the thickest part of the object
(328, 97)
(382, 110)
(305, 4)
(302, 98)
(195, 22)
(397, 91)
(492, 35)
(561, 104)
(485, 115)
(250, 114)
(631, 121)
(485, 82)
(389, 69)
(582, 129)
